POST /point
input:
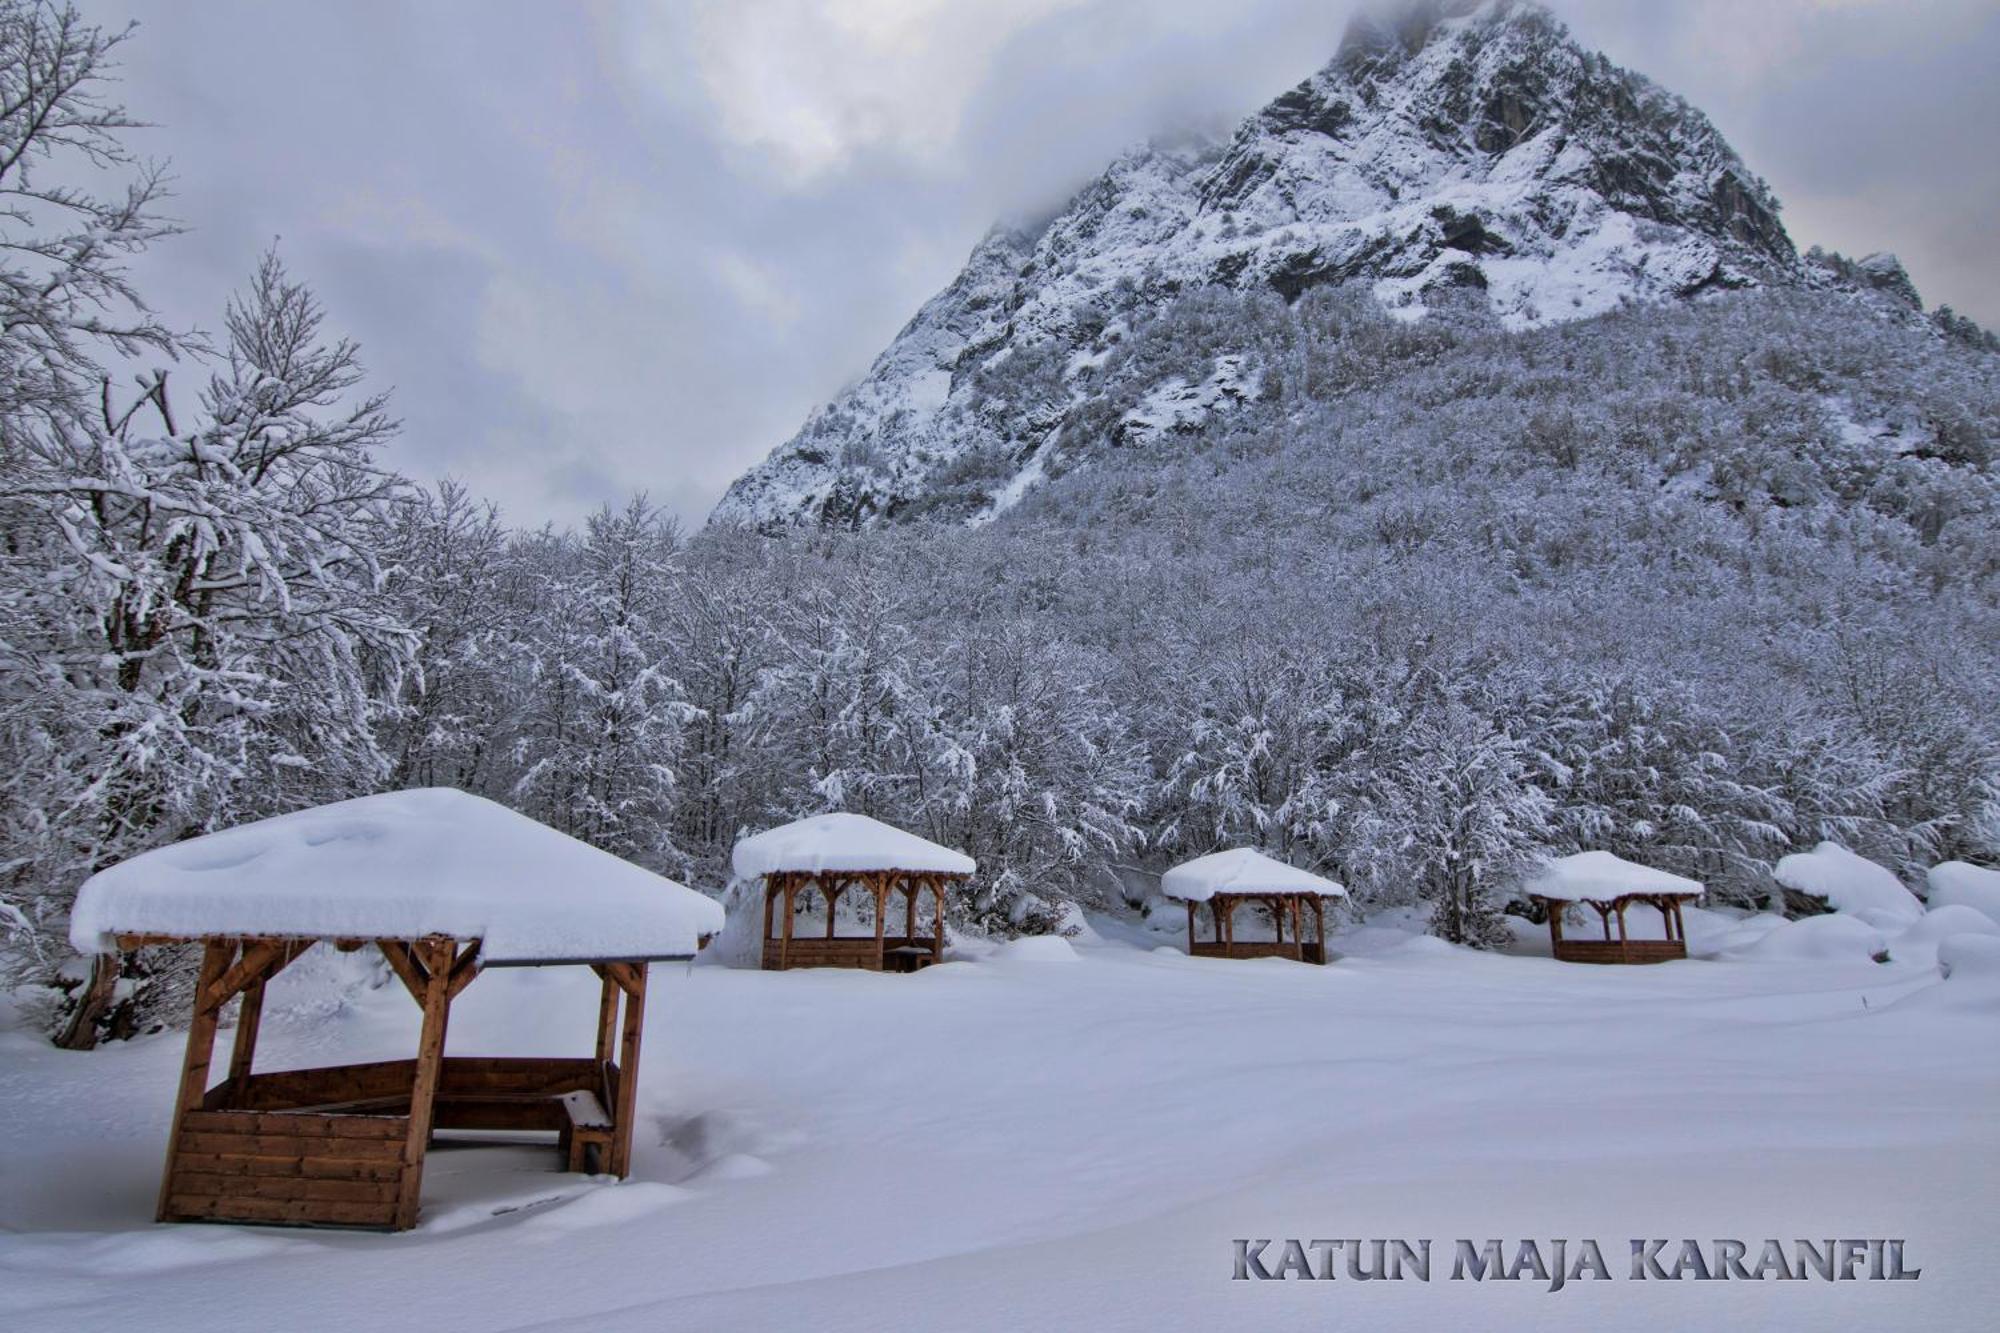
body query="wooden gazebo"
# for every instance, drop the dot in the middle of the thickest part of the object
(444, 884)
(836, 853)
(1611, 886)
(1225, 881)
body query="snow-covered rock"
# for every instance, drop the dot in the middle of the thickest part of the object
(1957, 883)
(399, 865)
(1468, 151)
(1848, 883)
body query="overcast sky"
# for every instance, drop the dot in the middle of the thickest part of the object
(629, 246)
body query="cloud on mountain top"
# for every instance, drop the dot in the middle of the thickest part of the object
(630, 246)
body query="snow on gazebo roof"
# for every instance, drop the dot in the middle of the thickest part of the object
(1600, 877)
(1242, 870)
(399, 865)
(843, 843)
(1849, 883)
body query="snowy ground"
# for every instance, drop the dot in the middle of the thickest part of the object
(1034, 1142)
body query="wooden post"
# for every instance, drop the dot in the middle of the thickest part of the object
(880, 885)
(937, 940)
(831, 889)
(1277, 921)
(1319, 925)
(607, 1020)
(435, 954)
(1556, 910)
(628, 1076)
(767, 910)
(1190, 907)
(910, 910)
(215, 960)
(785, 945)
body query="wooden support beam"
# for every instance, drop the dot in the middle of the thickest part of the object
(626, 975)
(607, 1019)
(434, 956)
(463, 971)
(259, 957)
(623, 1114)
(785, 944)
(215, 960)
(406, 967)
(831, 889)
(1190, 912)
(249, 1016)
(937, 941)
(879, 886)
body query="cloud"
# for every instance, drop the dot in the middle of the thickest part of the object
(810, 84)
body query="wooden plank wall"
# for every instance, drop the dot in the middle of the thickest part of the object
(841, 951)
(248, 1166)
(1308, 952)
(1611, 951)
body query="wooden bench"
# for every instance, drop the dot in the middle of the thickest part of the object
(589, 1126)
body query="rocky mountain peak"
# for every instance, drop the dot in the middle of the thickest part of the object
(1450, 151)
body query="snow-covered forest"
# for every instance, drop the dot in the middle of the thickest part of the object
(1699, 584)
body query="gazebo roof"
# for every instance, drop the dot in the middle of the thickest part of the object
(843, 843)
(1600, 877)
(399, 866)
(1243, 870)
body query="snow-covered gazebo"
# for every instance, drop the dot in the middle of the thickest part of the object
(1609, 885)
(444, 884)
(834, 853)
(1226, 880)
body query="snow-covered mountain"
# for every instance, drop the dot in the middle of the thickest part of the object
(1468, 151)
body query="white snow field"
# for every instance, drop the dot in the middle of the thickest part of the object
(1006, 1143)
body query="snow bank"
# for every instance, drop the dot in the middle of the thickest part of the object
(1849, 883)
(1242, 870)
(1971, 958)
(399, 865)
(1956, 883)
(843, 843)
(1817, 938)
(1971, 985)
(1927, 935)
(1037, 949)
(1600, 877)
(1711, 933)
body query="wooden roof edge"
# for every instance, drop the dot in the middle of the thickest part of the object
(1637, 897)
(880, 870)
(347, 944)
(1257, 893)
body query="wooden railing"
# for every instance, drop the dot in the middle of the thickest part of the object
(1307, 952)
(1612, 951)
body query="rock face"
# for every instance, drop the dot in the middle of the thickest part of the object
(1463, 152)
